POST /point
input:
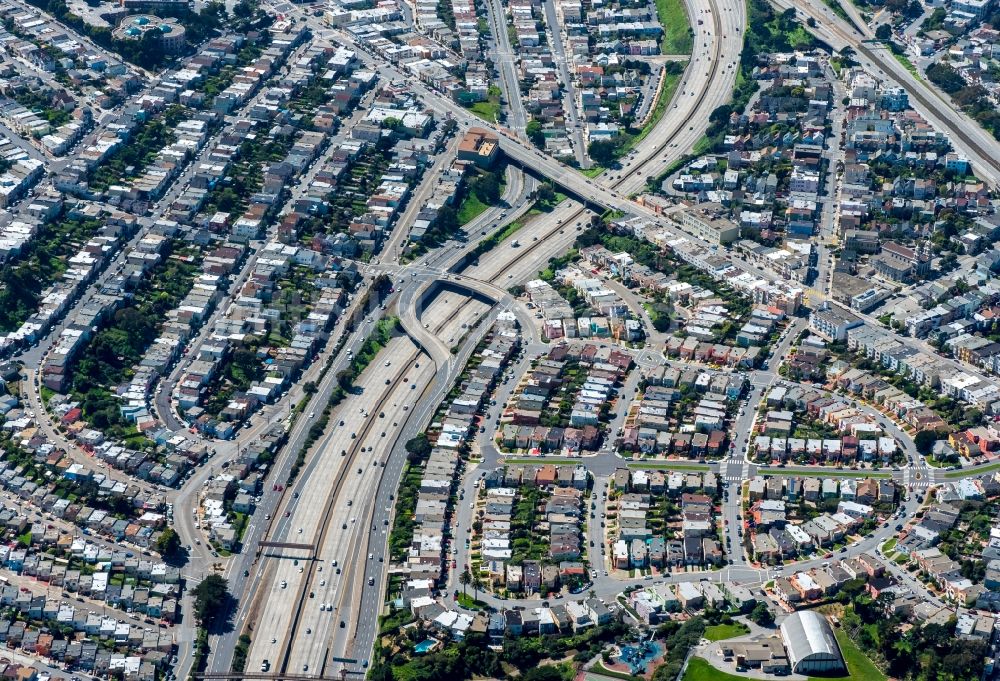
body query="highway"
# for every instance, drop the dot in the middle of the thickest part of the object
(243, 584)
(357, 445)
(306, 638)
(965, 134)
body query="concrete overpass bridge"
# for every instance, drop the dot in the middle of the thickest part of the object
(569, 180)
(415, 296)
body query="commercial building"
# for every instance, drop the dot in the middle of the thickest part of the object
(136, 26)
(706, 223)
(479, 146)
(833, 323)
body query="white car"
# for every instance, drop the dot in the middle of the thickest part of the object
(284, 584)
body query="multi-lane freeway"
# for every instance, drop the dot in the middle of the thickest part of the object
(318, 601)
(308, 637)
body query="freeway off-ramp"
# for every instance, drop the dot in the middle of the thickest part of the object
(506, 265)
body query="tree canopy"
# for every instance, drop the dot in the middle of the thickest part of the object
(211, 599)
(168, 543)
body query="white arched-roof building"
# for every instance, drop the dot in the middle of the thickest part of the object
(811, 644)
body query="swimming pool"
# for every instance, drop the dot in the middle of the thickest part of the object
(424, 646)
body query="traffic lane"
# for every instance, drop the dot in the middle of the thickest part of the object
(361, 642)
(351, 544)
(314, 483)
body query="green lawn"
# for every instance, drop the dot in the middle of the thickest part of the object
(600, 669)
(677, 38)
(470, 209)
(668, 466)
(838, 10)
(489, 111)
(907, 64)
(859, 667)
(977, 471)
(889, 545)
(934, 463)
(532, 460)
(466, 601)
(700, 670)
(701, 146)
(593, 171)
(720, 632)
(823, 473)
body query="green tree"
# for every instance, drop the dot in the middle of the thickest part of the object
(168, 543)
(603, 152)
(211, 598)
(762, 615)
(720, 114)
(464, 579)
(447, 220)
(243, 9)
(534, 132)
(546, 672)
(418, 447)
(486, 187)
(883, 32)
(924, 441)
(945, 77)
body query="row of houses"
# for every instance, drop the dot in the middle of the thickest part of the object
(90, 652)
(919, 542)
(775, 538)
(691, 543)
(657, 602)
(541, 389)
(35, 127)
(566, 618)
(425, 558)
(819, 583)
(84, 320)
(140, 528)
(178, 328)
(560, 518)
(792, 489)
(250, 315)
(658, 423)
